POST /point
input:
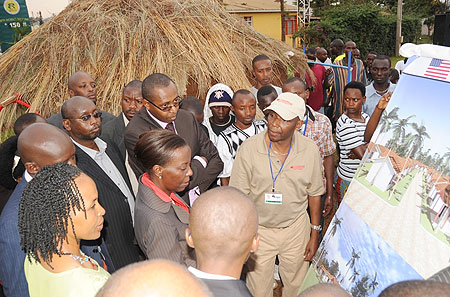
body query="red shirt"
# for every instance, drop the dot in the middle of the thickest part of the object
(160, 193)
(316, 96)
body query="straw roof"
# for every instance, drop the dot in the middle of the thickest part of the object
(195, 42)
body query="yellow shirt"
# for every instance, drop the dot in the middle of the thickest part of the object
(338, 58)
(78, 282)
(301, 177)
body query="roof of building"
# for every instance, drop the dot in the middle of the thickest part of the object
(256, 6)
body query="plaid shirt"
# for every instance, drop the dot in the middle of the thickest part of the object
(319, 131)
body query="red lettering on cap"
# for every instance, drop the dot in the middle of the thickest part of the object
(285, 101)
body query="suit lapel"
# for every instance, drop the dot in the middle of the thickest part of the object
(91, 168)
(112, 154)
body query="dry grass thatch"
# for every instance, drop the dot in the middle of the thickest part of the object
(196, 42)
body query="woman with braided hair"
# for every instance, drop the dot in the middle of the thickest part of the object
(59, 207)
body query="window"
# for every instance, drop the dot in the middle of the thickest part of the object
(249, 20)
(290, 24)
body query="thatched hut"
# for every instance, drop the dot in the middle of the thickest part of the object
(196, 42)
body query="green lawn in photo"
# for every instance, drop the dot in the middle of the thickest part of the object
(399, 190)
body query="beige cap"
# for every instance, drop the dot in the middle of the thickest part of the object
(288, 106)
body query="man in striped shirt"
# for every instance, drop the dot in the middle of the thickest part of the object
(350, 129)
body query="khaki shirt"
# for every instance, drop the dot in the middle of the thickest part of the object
(301, 177)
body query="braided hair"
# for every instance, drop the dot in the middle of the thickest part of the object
(44, 210)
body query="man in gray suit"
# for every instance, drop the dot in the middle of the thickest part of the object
(80, 84)
(223, 229)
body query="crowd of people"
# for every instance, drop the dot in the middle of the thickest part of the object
(173, 197)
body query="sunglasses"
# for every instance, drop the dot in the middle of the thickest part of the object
(87, 117)
(176, 103)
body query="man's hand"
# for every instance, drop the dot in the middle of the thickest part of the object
(352, 155)
(328, 205)
(382, 104)
(328, 72)
(312, 246)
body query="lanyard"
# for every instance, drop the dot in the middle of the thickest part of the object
(282, 165)
(306, 123)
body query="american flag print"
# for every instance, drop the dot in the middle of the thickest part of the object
(438, 68)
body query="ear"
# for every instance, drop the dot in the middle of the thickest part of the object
(66, 124)
(146, 104)
(71, 93)
(157, 170)
(299, 125)
(255, 243)
(189, 240)
(364, 99)
(32, 168)
(232, 108)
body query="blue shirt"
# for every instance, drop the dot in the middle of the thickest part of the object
(372, 98)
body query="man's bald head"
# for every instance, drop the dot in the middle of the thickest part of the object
(71, 108)
(82, 84)
(153, 279)
(223, 223)
(325, 290)
(417, 288)
(41, 144)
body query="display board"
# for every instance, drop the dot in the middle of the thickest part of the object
(394, 222)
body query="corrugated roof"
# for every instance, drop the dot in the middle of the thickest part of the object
(256, 5)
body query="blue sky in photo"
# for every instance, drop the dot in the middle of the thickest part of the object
(376, 256)
(429, 101)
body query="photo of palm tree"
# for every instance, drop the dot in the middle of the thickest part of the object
(357, 258)
(402, 187)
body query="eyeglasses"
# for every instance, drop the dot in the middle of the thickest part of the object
(176, 103)
(87, 117)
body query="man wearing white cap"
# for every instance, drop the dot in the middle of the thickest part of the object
(281, 171)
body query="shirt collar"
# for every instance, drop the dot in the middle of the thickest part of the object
(92, 153)
(28, 177)
(125, 120)
(161, 123)
(205, 275)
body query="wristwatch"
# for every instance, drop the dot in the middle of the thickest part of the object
(316, 227)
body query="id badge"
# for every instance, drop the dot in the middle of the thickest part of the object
(273, 198)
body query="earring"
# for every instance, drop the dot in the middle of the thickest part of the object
(159, 176)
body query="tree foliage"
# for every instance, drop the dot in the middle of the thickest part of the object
(371, 27)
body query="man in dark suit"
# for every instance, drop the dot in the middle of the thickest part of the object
(39, 145)
(114, 130)
(104, 164)
(223, 248)
(132, 102)
(80, 84)
(162, 112)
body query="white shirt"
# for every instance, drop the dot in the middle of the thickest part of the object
(327, 61)
(205, 275)
(131, 175)
(255, 90)
(28, 177)
(104, 162)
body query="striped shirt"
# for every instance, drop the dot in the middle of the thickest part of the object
(231, 139)
(349, 135)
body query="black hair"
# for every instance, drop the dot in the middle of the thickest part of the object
(44, 210)
(264, 91)
(311, 51)
(153, 81)
(242, 92)
(356, 85)
(155, 147)
(192, 104)
(337, 43)
(298, 79)
(23, 121)
(372, 53)
(382, 57)
(259, 58)
(416, 288)
(133, 84)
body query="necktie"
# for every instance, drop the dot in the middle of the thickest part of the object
(170, 127)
